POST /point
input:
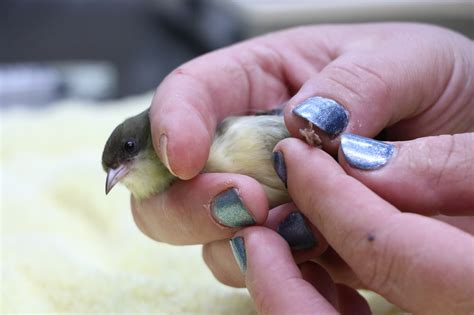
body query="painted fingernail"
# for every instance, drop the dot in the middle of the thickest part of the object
(279, 166)
(228, 210)
(237, 245)
(324, 113)
(364, 153)
(295, 231)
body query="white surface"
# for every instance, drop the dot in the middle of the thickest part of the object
(68, 248)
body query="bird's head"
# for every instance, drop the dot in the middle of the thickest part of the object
(129, 158)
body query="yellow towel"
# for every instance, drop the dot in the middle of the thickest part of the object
(66, 247)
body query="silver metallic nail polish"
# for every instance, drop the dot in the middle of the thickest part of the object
(237, 245)
(364, 153)
(228, 210)
(324, 113)
(295, 231)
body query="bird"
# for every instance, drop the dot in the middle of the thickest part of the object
(241, 144)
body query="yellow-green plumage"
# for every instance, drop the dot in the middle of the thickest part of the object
(242, 144)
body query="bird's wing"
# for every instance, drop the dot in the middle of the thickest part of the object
(244, 145)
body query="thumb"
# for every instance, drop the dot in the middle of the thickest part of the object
(388, 79)
(429, 175)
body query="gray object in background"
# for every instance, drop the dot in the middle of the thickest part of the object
(114, 48)
(240, 19)
(127, 35)
(28, 84)
(38, 84)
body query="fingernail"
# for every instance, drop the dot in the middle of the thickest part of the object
(324, 113)
(237, 245)
(163, 152)
(364, 153)
(295, 231)
(228, 210)
(279, 166)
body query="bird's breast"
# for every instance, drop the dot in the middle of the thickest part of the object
(244, 145)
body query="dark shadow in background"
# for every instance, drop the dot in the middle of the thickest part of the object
(130, 35)
(143, 40)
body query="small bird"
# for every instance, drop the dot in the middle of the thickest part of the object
(242, 144)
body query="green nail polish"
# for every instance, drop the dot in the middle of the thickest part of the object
(228, 210)
(237, 245)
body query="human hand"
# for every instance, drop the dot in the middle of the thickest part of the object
(278, 286)
(393, 75)
(418, 263)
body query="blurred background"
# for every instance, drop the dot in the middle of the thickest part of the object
(70, 71)
(52, 49)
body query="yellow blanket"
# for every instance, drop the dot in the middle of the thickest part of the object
(66, 247)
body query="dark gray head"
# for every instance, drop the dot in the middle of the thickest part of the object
(126, 142)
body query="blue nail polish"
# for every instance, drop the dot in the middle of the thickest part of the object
(295, 231)
(324, 113)
(228, 210)
(237, 245)
(279, 166)
(364, 153)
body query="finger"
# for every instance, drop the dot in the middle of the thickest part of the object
(219, 258)
(207, 208)
(320, 279)
(342, 273)
(274, 281)
(350, 301)
(440, 171)
(342, 297)
(464, 223)
(304, 239)
(338, 269)
(398, 86)
(254, 75)
(388, 250)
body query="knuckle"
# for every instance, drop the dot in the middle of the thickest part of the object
(426, 168)
(448, 159)
(376, 81)
(258, 63)
(445, 145)
(456, 158)
(360, 80)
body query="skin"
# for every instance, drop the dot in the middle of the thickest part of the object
(243, 144)
(383, 227)
(129, 157)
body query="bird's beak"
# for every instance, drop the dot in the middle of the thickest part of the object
(114, 176)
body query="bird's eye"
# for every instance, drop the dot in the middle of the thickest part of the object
(130, 146)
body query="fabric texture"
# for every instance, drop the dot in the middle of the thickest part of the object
(66, 247)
